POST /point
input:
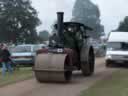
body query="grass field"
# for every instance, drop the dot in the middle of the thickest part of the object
(18, 75)
(114, 85)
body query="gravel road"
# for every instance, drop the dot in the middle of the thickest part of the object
(79, 83)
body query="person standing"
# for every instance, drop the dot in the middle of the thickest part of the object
(6, 62)
(1, 45)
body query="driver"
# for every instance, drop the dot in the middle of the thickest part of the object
(73, 37)
(69, 41)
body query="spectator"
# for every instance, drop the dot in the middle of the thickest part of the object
(6, 61)
(1, 45)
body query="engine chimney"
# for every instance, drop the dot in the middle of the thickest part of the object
(60, 25)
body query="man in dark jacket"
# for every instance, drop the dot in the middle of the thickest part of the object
(6, 62)
(1, 45)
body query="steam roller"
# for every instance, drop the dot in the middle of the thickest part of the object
(69, 50)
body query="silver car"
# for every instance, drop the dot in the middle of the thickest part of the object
(24, 54)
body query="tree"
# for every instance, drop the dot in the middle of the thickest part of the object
(123, 26)
(88, 13)
(18, 21)
(44, 35)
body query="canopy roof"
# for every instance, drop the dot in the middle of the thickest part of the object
(75, 24)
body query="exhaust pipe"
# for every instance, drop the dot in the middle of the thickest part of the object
(60, 26)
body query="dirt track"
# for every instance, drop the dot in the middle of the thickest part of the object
(79, 83)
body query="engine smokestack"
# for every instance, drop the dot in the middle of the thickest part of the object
(60, 25)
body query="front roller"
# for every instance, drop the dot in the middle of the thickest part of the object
(53, 68)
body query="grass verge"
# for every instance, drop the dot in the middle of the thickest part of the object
(114, 85)
(18, 75)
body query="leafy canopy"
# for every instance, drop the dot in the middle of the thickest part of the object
(123, 26)
(18, 21)
(88, 13)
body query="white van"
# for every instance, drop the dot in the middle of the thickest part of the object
(117, 48)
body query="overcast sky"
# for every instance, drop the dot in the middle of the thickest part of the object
(112, 11)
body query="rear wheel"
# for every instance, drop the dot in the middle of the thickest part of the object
(88, 67)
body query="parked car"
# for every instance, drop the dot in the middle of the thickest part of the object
(43, 45)
(24, 54)
(117, 48)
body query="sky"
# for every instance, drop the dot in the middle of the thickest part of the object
(112, 11)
